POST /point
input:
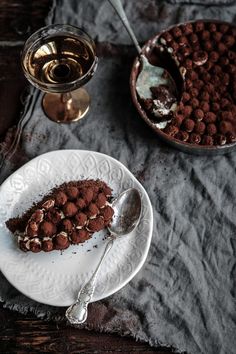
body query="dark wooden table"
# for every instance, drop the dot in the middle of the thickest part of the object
(20, 333)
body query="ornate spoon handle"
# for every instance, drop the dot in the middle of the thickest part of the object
(77, 313)
(121, 13)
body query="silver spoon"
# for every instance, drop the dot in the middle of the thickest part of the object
(127, 211)
(150, 75)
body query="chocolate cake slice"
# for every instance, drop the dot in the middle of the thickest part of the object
(69, 214)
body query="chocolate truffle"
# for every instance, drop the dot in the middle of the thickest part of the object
(80, 203)
(60, 198)
(107, 213)
(96, 224)
(79, 236)
(61, 241)
(101, 200)
(87, 194)
(47, 245)
(80, 219)
(189, 125)
(47, 229)
(72, 192)
(70, 209)
(67, 225)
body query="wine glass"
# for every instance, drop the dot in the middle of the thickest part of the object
(59, 59)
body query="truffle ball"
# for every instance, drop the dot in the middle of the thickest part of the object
(37, 216)
(200, 127)
(185, 97)
(193, 92)
(224, 28)
(228, 40)
(47, 229)
(80, 219)
(231, 138)
(187, 28)
(171, 130)
(72, 192)
(47, 245)
(80, 203)
(176, 32)
(221, 47)
(211, 129)
(101, 200)
(194, 102)
(67, 225)
(217, 36)
(61, 241)
(167, 36)
(214, 56)
(107, 213)
(215, 107)
(177, 120)
(96, 224)
(193, 38)
(79, 236)
(188, 64)
(54, 216)
(207, 140)
(225, 127)
(187, 110)
(198, 114)
(107, 191)
(220, 139)
(205, 35)
(226, 115)
(189, 125)
(200, 57)
(199, 26)
(205, 107)
(70, 209)
(194, 138)
(60, 198)
(210, 117)
(35, 246)
(87, 194)
(212, 27)
(204, 96)
(208, 46)
(31, 229)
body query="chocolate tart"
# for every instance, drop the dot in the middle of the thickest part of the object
(69, 214)
(201, 57)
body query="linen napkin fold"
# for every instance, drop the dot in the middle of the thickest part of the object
(184, 296)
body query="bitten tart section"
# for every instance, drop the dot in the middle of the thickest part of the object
(205, 54)
(69, 214)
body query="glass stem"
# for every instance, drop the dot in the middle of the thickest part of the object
(66, 97)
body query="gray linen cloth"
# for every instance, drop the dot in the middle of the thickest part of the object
(185, 294)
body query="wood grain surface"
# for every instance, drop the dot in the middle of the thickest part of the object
(20, 333)
(26, 334)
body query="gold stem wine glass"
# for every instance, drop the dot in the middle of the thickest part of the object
(59, 59)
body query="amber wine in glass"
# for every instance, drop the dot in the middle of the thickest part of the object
(60, 59)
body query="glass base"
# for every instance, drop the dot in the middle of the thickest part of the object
(67, 107)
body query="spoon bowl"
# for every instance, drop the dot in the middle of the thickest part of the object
(127, 211)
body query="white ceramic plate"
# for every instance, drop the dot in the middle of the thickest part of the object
(55, 278)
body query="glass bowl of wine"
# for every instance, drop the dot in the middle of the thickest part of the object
(59, 60)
